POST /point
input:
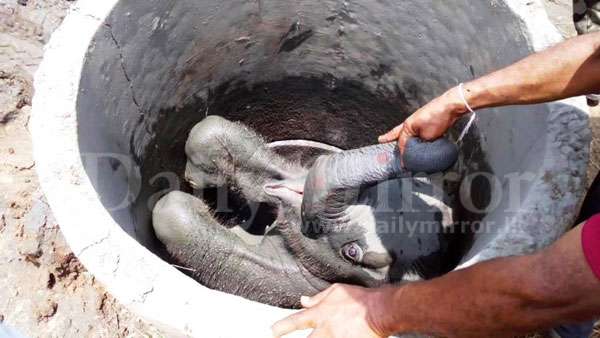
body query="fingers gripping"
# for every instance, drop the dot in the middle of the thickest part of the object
(392, 135)
(309, 302)
(299, 321)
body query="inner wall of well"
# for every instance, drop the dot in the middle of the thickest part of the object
(338, 72)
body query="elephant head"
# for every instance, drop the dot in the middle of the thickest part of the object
(353, 205)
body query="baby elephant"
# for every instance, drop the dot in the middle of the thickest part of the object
(339, 221)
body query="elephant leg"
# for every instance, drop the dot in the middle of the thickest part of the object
(225, 153)
(223, 261)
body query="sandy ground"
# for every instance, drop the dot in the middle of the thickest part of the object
(44, 290)
(560, 12)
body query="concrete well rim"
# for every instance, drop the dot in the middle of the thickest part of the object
(139, 279)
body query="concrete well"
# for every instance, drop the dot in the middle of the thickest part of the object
(123, 82)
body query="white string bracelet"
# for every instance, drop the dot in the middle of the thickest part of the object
(461, 92)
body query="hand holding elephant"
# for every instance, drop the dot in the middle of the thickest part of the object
(430, 122)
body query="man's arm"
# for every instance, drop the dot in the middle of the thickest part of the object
(568, 69)
(504, 296)
(496, 298)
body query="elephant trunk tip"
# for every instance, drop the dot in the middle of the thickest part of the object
(429, 157)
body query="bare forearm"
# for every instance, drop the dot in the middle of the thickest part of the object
(501, 297)
(480, 301)
(568, 69)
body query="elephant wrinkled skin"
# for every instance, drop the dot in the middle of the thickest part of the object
(327, 226)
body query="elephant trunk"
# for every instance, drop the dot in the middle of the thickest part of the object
(334, 182)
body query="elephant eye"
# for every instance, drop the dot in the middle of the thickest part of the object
(352, 252)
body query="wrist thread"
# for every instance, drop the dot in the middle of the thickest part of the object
(461, 93)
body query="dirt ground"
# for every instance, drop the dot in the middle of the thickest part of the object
(44, 290)
(560, 13)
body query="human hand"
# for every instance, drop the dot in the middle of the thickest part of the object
(341, 311)
(430, 122)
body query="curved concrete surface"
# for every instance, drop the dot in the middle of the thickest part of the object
(122, 83)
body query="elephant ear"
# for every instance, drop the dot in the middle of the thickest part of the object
(334, 181)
